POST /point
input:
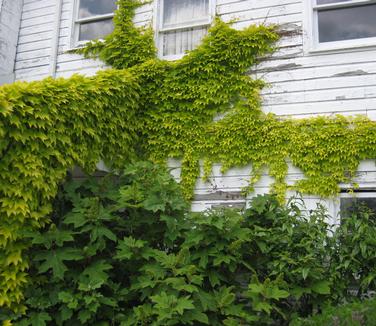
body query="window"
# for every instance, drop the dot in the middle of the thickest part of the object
(339, 24)
(93, 19)
(351, 202)
(182, 25)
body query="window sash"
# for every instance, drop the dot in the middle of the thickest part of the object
(341, 4)
(162, 31)
(76, 42)
(202, 21)
(356, 196)
(311, 22)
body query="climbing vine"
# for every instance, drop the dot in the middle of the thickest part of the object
(201, 107)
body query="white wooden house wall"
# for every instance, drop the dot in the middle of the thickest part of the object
(302, 84)
(10, 16)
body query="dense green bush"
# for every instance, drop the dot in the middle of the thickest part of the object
(351, 314)
(127, 251)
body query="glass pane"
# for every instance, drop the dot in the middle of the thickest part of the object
(94, 30)
(350, 205)
(347, 23)
(180, 41)
(324, 2)
(177, 13)
(89, 8)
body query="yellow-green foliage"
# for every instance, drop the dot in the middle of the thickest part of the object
(46, 127)
(158, 109)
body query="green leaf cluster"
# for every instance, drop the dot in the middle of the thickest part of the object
(125, 250)
(357, 313)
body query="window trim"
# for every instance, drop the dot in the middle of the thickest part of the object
(78, 21)
(366, 192)
(312, 44)
(159, 29)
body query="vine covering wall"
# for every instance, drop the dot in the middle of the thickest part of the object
(157, 109)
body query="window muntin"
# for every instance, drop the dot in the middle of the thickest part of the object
(182, 26)
(338, 24)
(93, 19)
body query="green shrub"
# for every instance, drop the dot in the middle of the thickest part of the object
(126, 251)
(351, 314)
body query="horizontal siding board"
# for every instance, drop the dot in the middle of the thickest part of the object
(38, 21)
(24, 74)
(256, 3)
(40, 61)
(36, 29)
(246, 5)
(358, 106)
(321, 95)
(312, 85)
(34, 54)
(279, 20)
(303, 73)
(333, 59)
(42, 36)
(264, 13)
(36, 5)
(34, 45)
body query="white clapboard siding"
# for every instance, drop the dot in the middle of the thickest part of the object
(35, 39)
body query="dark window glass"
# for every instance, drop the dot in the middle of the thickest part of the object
(94, 30)
(324, 2)
(89, 8)
(350, 205)
(347, 23)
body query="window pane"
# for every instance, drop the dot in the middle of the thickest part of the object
(94, 30)
(350, 205)
(177, 42)
(347, 23)
(90, 8)
(177, 13)
(324, 2)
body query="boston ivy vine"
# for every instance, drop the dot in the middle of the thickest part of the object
(157, 109)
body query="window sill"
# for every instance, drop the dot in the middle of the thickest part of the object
(79, 45)
(343, 46)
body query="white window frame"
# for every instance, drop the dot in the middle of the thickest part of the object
(159, 29)
(312, 31)
(78, 21)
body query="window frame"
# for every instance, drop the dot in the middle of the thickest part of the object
(312, 30)
(159, 29)
(78, 21)
(356, 194)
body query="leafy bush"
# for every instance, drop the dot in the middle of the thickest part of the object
(354, 261)
(127, 251)
(352, 314)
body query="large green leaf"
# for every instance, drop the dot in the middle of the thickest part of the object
(54, 260)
